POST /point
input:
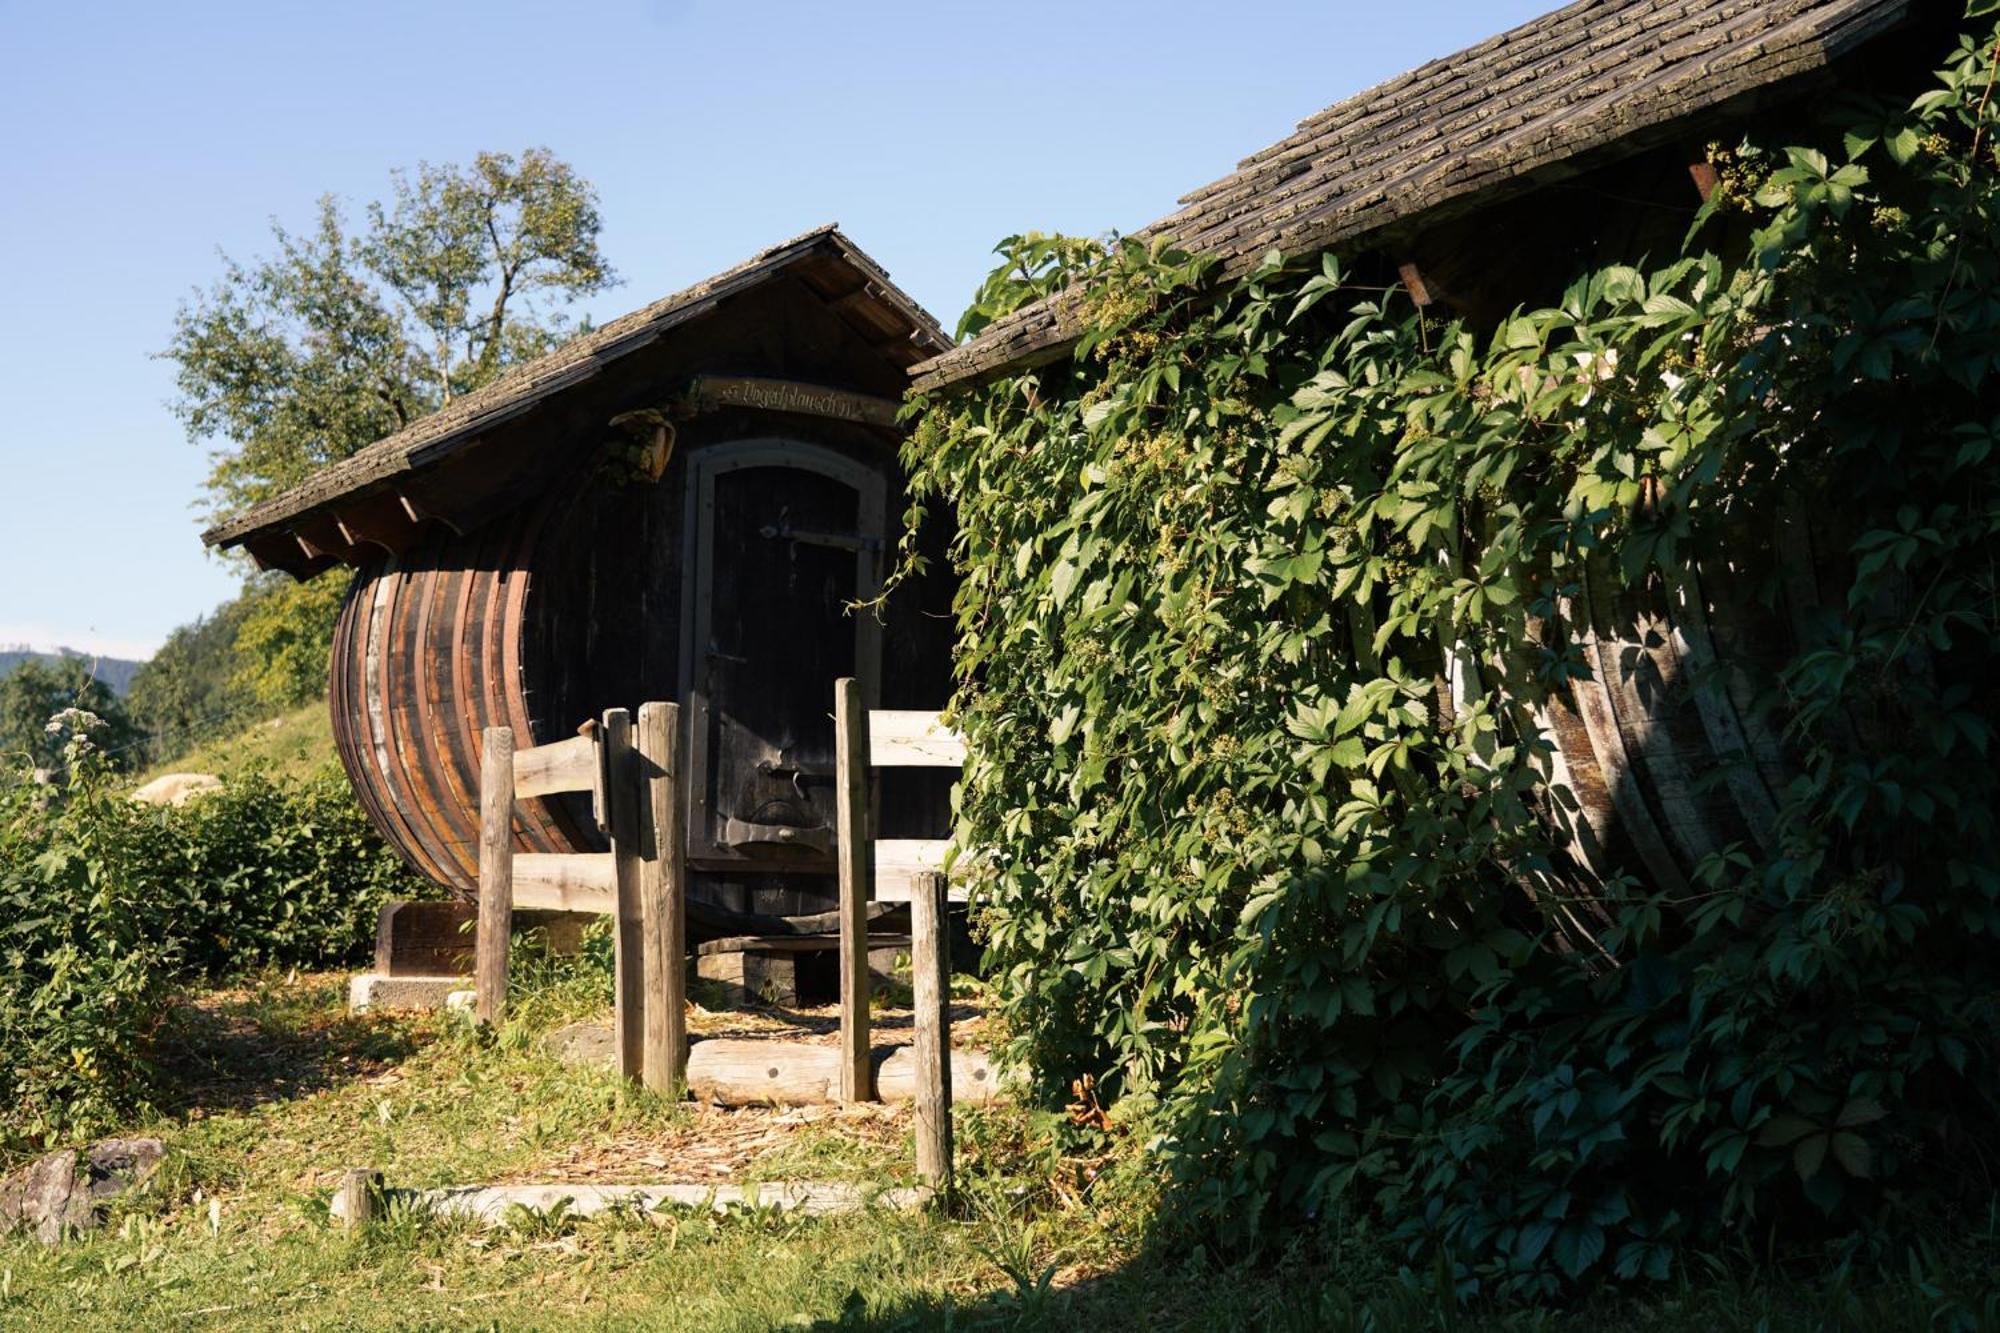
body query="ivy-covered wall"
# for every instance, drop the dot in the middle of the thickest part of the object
(1312, 913)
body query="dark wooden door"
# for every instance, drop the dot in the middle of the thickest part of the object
(787, 537)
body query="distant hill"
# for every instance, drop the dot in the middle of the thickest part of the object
(115, 672)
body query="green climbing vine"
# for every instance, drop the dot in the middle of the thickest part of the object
(1306, 908)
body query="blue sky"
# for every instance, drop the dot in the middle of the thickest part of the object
(139, 139)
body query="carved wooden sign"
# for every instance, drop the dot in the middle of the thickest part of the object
(769, 395)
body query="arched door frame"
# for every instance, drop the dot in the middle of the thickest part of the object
(871, 487)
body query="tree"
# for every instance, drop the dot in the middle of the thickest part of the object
(35, 693)
(303, 357)
(191, 688)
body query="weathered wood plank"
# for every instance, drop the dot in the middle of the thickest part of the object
(663, 880)
(773, 395)
(496, 874)
(569, 765)
(628, 936)
(851, 753)
(566, 881)
(912, 738)
(898, 862)
(930, 985)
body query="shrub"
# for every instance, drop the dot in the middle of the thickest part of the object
(268, 872)
(1247, 869)
(105, 906)
(84, 969)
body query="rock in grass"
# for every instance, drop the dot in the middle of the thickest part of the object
(176, 788)
(66, 1190)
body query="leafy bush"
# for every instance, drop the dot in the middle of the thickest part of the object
(84, 971)
(267, 872)
(1247, 869)
(106, 905)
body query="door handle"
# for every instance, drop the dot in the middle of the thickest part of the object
(744, 833)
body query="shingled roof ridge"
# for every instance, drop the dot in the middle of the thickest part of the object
(1470, 108)
(1572, 82)
(1313, 128)
(523, 385)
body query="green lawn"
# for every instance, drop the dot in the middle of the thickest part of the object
(275, 1089)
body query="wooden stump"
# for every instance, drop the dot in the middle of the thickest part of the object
(360, 1188)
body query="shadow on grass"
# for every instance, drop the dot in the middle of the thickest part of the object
(263, 1042)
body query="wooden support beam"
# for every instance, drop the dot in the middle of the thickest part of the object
(1424, 293)
(930, 983)
(379, 520)
(663, 881)
(496, 875)
(1706, 178)
(320, 537)
(629, 942)
(850, 726)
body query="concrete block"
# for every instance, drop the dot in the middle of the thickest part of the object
(372, 990)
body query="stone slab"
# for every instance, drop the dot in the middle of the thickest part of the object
(372, 990)
(489, 1204)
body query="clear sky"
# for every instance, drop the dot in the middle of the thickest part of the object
(137, 139)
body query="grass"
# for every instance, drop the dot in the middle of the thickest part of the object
(275, 1089)
(296, 744)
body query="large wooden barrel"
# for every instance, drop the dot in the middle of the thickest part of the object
(544, 616)
(1673, 749)
(437, 644)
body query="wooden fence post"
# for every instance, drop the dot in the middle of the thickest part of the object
(359, 1188)
(850, 763)
(930, 968)
(628, 924)
(664, 910)
(496, 875)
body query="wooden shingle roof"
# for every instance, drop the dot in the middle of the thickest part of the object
(1583, 79)
(896, 325)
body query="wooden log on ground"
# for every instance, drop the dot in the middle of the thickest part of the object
(354, 1204)
(752, 1072)
(850, 725)
(496, 874)
(930, 986)
(663, 889)
(628, 932)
